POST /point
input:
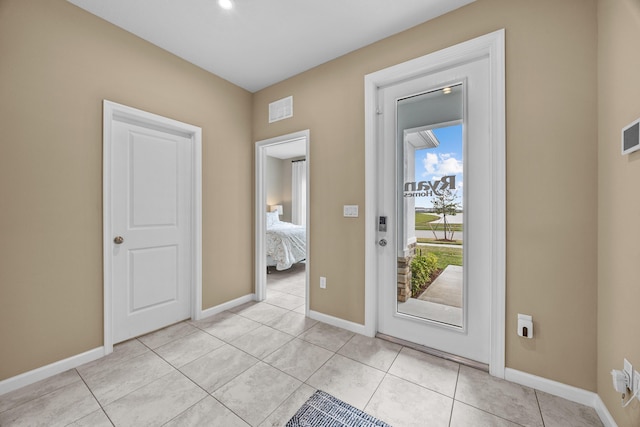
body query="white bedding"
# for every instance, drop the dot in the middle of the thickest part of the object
(286, 244)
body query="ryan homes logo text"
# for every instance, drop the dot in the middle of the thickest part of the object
(429, 188)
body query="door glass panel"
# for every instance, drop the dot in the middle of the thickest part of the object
(430, 182)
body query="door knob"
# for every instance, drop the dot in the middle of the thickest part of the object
(383, 242)
(118, 240)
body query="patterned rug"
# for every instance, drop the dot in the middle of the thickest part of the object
(324, 410)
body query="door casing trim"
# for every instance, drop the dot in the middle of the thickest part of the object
(260, 213)
(491, 45)
(111, 112)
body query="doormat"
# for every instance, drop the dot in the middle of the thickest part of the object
(324, 410)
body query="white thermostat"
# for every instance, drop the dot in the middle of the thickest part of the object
(631, 137)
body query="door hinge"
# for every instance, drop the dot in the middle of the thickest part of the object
(378, 110)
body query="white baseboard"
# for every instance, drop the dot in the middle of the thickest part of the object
(28, 378)
(225, 306)
(604, 414)
(340, 323)
(565, 391)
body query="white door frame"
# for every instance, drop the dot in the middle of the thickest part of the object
(260, 212)
(116, 112)
(491, 46)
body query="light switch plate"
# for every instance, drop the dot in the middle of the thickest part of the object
(350, 211)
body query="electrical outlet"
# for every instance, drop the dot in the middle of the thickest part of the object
(323, 283)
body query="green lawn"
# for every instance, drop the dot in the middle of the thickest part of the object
(423, 221)
(446, 256)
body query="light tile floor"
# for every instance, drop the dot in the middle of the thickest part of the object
(257, 364)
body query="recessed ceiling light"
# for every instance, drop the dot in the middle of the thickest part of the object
(225, 4)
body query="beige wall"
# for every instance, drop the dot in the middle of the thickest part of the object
(57, 64)
(287, 188)
(274, 175)
(278, 184)
(618, 200)
(551, 171)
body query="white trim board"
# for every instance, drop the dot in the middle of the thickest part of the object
(44, 372)
(112, 112)
(574, 394)
(339, 323)
(604, 414)
(555, 388)
(261, 203)
(493, 46)
(227, 306)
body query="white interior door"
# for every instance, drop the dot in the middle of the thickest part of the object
(151, 228)
(460, 328)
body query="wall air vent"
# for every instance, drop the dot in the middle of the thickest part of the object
(631, 137)
(281, 109)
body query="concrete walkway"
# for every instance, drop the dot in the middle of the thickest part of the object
(428, 234)
(432, 311)
(447, 288)
(441, 301)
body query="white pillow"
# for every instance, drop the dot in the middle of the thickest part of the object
(272, 218)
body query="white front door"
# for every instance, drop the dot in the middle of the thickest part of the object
(435, 159)
(151, 200)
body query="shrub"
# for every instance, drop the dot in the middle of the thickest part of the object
(422, 266)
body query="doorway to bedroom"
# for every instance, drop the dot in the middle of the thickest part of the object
(282, 195)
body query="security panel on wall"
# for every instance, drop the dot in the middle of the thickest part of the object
(631, 137)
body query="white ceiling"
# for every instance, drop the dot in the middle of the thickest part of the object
(262, 42)
(288, 150)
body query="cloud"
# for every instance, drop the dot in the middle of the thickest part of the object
(450, 166)
(442, 165)
(430, 163)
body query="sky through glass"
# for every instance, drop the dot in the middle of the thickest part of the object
(445, 160)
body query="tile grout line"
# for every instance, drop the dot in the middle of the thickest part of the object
(209, 394)
(285, 399)
(152, 350)
(455, 391)
(491, 413)
(177, 369)
(421, 386)
(31, 399)
(229, 343)
(535, 392)
(95, 398)
(374, 392)
(332, 355)
(123, 362)
(481, 409)
(259, 360)
(177, 415)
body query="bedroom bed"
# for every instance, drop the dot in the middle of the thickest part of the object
(286, 242)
